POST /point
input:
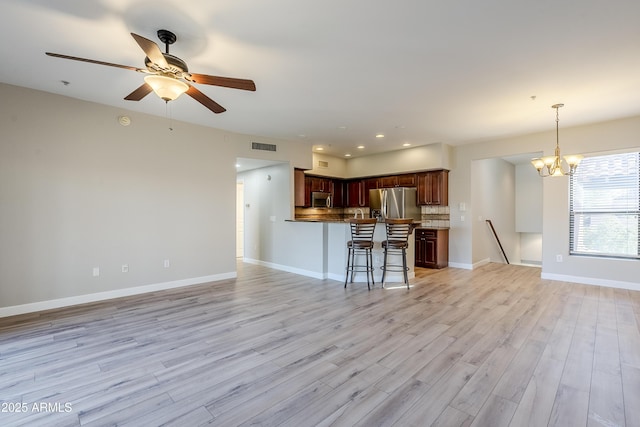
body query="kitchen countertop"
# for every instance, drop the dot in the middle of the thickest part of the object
(417, 224)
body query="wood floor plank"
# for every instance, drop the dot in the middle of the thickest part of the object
(534, 409)
(631, 389)
(452, 417)
(474, 394)
(516, 377)
(496, 412)
(489, 346)
(434, 401)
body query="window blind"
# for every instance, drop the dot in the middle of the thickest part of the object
(605, 206)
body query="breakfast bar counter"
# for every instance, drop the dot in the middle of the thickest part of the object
(328, 240)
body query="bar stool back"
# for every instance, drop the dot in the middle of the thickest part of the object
(361, 243)
(397, 242)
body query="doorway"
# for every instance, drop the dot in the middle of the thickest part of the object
(240, 219)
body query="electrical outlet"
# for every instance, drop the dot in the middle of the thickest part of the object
(96, 271)
(167, 264)
(558, 258)
(125, 268)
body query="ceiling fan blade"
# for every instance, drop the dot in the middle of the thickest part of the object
(205, 100)
(139, 93)
(92, 61)
(224, 82)
(152, 50)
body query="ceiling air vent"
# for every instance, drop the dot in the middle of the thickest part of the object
(323, 164)
(263, 147)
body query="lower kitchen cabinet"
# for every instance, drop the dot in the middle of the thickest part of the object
(432, 247)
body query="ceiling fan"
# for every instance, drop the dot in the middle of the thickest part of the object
(168, 76)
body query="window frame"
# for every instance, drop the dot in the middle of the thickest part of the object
(574, 213)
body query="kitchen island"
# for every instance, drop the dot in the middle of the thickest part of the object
(326, 243)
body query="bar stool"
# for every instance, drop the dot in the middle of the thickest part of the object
(397, 242)
(361, 243)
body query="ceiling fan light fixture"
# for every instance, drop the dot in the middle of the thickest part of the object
(167, 88)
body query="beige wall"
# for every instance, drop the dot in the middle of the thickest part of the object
(433, 156)
(589, 140)
(78, 191)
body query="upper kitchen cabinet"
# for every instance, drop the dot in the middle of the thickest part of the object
(407, 180)
(338, 194)
(358, 192)
(433, 187)
(404, 180)
(304, 185)
(369, 184)
(355, 193)
(318, 183)
(301, 195)
(388, 181)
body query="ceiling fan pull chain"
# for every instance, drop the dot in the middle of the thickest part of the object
(168, 114)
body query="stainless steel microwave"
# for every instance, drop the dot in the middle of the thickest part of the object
(320, 199)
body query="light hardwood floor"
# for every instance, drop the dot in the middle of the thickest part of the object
(496, 346)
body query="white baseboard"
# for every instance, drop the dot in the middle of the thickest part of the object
(102, 296)
(470, 266)
(286, 268)
(391, 277)
(460, 265)
(592, 281)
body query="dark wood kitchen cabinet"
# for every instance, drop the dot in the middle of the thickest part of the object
(388, 181)
(318, 183)
(301, 195)
(369, 184)
(404, 180)
(355, 193)
(432, 248)
(358, 192)
(433, 188)
(337, 193)
(312, 183)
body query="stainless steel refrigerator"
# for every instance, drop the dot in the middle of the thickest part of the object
(396, 202)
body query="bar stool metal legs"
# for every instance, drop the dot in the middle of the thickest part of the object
(361, 244)
(396, 244)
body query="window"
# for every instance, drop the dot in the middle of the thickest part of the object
(605, 206)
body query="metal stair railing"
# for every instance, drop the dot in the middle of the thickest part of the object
(497, 240)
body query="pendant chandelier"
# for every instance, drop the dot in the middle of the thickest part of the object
(553, 165)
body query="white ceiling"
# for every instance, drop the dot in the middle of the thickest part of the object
(336, 73)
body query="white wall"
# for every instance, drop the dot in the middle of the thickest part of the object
(597, 138)
(528, 199)
(433, 156)
(493, 198)
(336, 168)
(78, 191)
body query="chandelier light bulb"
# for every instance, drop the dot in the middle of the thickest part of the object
(552, 165)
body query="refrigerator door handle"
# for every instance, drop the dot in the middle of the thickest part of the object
(383, 197)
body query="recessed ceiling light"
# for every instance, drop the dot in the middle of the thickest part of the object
(342, 127)
(380, 135)
(319, 149)
(237, 165)
(347, 155)
(302, 135)
(360, 147)
(406, 144)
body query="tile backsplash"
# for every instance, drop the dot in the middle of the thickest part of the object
(435, 216)
(431, 216)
